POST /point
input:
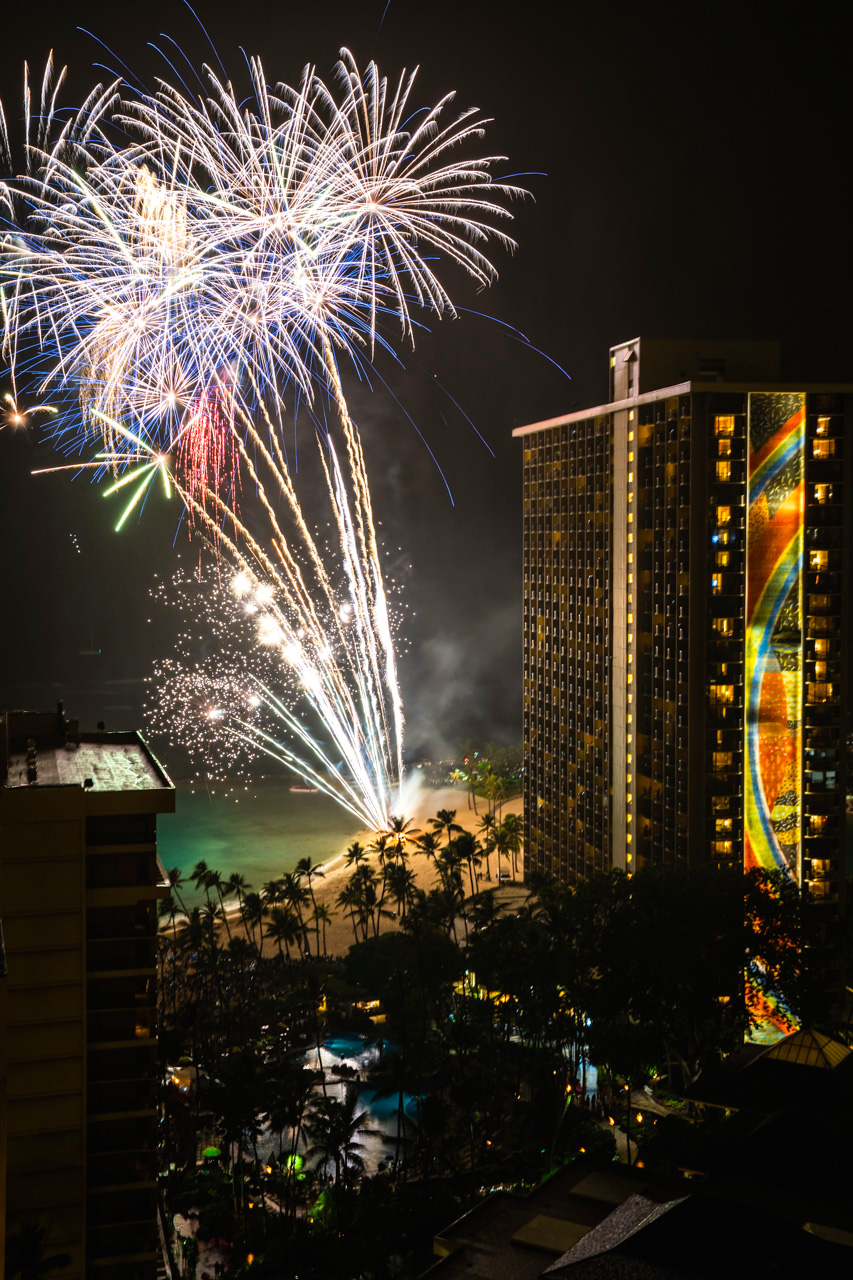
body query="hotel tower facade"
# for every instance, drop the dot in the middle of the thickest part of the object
(686, 619)
(79, 884)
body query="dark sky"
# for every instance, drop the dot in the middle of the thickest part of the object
(696, 177)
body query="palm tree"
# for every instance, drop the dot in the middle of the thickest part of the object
(401, 881)
(294, 893)
(283, 927)
(349, 899)
(468, 849)
(444, 822)
(355, 855)
(198, 875)
(176, 879)
(487, 832)
(427, 844)
(291, 1090)
(256, 911)
(379, 846)
(502, 790)
(273, 891)
(335, 1129)
(400, 831)
(305, 867)
(397, 1076)
(239, 886)
(25, 1254)
(512, 828)
(485, 910)
(214, 881)
(322, 916)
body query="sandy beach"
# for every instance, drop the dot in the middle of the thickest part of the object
(423, 805)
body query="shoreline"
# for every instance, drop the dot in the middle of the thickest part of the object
(427, 801)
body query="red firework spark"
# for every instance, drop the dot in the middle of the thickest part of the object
(208, 460)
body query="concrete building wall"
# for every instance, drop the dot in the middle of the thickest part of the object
(79, 883)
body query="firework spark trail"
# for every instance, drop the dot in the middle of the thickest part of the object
(179, 284)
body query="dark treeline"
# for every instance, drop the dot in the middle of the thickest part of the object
(493, 1012)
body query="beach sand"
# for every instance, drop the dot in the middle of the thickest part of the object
(422, 805)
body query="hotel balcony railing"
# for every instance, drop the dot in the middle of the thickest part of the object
(122, 1240)
(820, 846)
(724, 784)
(104, 955)
(113, 1096)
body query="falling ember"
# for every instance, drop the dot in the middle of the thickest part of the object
(208, 461)
(172, 290)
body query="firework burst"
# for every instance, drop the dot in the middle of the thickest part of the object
(172, 290)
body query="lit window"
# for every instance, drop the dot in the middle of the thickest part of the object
(716, 584)
(822, 428)
(724, 448)
(722, 826)
(818, 603)
(724, 426)
(722, 761)
(724, 470)
(630, 415)
(819, 670)
(721, 693)
(631, 456)
(823, 493)
(818, 559)
(631, 434)
(723, 626)
(724, 515)
(817, 822)
(819, 691)
(822, 646)
(823, 448)
(722, 559)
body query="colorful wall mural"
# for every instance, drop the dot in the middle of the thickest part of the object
(774, 654)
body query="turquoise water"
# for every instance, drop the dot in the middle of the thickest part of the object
(260, 831)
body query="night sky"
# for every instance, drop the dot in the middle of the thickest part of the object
(694, 182)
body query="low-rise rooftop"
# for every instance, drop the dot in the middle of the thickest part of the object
(103, 766)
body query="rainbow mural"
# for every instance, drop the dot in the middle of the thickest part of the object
(774, 655)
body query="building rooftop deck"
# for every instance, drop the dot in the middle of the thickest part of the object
(105, 765)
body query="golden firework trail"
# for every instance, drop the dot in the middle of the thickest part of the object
(171, 291)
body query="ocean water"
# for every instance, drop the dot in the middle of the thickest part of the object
(260, 830)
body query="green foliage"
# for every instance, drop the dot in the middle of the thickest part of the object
(495, 1015)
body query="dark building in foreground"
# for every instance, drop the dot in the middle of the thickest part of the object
(686, 624)
(79, 883)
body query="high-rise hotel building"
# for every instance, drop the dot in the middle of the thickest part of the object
(686, 624)
(79, 884)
